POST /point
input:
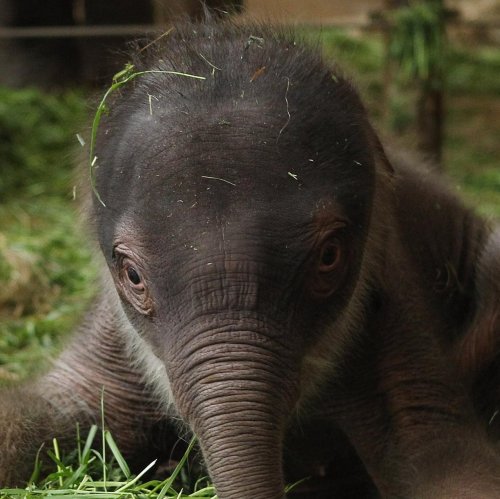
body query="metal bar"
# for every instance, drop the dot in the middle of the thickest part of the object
(142, 29)
(119, 30)
(78, 31)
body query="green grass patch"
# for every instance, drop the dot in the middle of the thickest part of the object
(36, 131)
(473, 70)
(89, 473)
(46, 283)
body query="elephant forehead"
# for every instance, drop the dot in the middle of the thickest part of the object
(202, 188)
(192, 233)
(236, 163)
(245, 151)
(193, 184)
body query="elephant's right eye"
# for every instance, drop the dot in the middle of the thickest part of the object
(130, 280)
(133, 276)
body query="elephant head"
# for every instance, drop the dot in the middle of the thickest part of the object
(234, 226)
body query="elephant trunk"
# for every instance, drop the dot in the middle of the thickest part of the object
(243, 461)
(236, 393)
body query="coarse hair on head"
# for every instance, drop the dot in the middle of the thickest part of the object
(243, 65)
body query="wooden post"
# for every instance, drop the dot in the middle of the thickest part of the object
(430, 105)
(430, 119)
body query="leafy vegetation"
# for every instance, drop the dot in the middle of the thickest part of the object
(417, 39)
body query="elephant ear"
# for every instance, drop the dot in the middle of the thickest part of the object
(382, 163)
(383, 207)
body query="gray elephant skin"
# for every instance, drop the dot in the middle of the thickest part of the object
(274, 284)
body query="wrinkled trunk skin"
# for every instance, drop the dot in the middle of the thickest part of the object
(235, 390)
(243, 455)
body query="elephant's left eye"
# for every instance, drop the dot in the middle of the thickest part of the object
(328, 264)
(329, 256)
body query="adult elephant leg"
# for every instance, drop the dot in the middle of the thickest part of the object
(96, 362)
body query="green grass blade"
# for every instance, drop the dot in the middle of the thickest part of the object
(204, 492)
(117, 454)
(37, 468)
(75, 476)
(181, 463)
(88, 443)
(164, 490)
(291, 486)
(103, 436)
(137, 478)
(60, 466)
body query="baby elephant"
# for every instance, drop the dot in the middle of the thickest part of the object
(275, 282)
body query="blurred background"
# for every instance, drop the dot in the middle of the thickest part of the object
(428, 70)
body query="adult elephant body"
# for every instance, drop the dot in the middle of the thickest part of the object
(272, 273)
